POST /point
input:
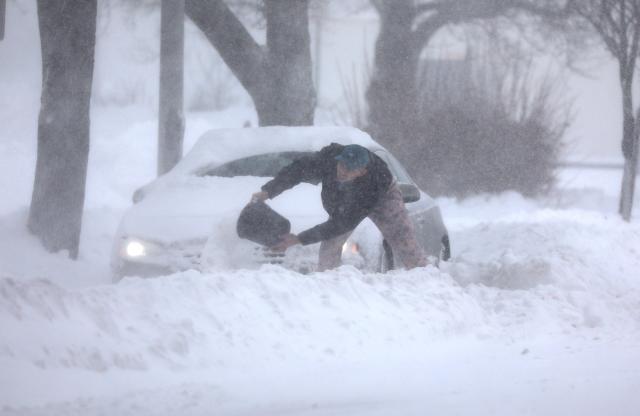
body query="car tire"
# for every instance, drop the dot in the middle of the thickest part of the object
(386, 254)
(445, 251)
(445, 248)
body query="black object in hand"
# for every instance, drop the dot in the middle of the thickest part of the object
(261, 224)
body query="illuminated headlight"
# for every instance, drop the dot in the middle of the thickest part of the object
(135, 249)
(350, 248)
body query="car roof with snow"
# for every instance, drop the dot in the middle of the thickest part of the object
(216, 147)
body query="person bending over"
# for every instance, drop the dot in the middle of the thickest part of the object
(356, 184)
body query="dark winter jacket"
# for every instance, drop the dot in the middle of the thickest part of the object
(347, 203)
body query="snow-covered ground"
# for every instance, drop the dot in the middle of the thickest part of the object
(538, 312)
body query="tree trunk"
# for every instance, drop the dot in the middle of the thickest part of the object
(630, 173)
(171, 114)
(290, 98)
(244, 57)
(391, 95)
(278, 78)
(67, 35)
(629, 147)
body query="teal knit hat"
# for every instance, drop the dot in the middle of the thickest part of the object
(354, 157)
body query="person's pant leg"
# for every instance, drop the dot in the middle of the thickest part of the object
(392, 219)
(331, 252)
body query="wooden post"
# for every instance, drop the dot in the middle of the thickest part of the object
(171, 114)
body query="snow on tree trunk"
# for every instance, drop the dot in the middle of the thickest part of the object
(171, 114)
(67, 35)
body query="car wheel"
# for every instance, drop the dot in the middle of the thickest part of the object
(445, 250)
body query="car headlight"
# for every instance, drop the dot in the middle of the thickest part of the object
(137, 249)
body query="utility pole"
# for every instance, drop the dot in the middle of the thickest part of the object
(171, 113)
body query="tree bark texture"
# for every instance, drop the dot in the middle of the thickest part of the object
(67, 35)
(278, 76)
(630, 173)
(391, 94)
(290, 99)
(629, 138)
(171, 112)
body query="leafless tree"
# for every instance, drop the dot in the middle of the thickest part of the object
(407, 26)
(67, 37)
(617, 25)
(277, 76)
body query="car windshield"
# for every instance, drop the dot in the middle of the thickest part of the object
(265, 165)
(395, 167)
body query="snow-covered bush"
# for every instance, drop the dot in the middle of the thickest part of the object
(486, 128)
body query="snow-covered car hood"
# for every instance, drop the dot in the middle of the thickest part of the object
(192, 208)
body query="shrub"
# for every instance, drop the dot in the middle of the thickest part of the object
(485, 131)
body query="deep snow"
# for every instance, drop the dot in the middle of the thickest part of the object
(537, 313)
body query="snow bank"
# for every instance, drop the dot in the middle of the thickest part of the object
(555, 277)
(543, 275)
(582, 266)
(522, 280)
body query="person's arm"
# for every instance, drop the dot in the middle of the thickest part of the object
(333, 227)
(305, 169)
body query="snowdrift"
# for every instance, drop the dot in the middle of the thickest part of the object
(552, 274)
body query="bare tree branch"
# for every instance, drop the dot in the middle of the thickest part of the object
(377, 4)
(242, 54)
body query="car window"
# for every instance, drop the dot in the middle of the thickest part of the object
(265, 165)
(395, 167)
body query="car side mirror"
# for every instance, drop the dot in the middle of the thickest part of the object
(138, 195)
(410, 192)
(142, 192)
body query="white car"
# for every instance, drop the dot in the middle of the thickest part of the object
(186, 218)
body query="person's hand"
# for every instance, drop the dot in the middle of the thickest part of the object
(259, 196)
(286, 241)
